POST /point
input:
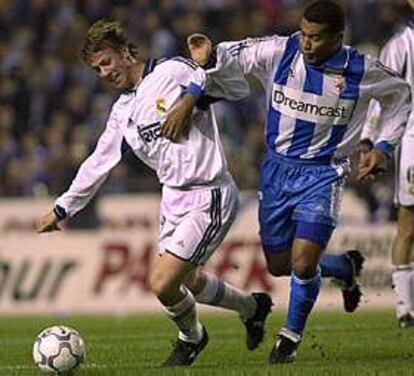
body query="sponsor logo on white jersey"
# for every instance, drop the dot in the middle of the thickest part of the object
(150, 132)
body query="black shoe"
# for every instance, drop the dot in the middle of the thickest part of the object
(185, 353)
(351, 290)
(285, 349)
(255, 325)
(406, 321)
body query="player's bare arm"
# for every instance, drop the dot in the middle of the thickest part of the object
(177, 123)
(370, 163)
(178, 119)
(48, 223)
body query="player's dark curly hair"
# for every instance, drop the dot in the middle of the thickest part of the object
(328, 13)
(103, 34)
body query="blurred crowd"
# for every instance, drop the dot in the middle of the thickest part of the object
(52, 107)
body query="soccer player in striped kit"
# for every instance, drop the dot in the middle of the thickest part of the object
(199, 198)
(317, 93)
(398, 54)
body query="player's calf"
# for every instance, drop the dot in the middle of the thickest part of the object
(180, 306)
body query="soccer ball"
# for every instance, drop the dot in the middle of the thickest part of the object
(58, 349)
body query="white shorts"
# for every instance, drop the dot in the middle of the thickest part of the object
(404, 176)
(193, 223)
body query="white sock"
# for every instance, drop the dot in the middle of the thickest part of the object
(402, 285)
(184, 315)
(218, 293)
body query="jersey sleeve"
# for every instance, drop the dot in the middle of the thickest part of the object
(226, 79)
(394, 57)
(371, 129)
(257, 56)
(188, 74)
(394, 97)
(94, 170)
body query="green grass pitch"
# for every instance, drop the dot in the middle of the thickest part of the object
(363, 343)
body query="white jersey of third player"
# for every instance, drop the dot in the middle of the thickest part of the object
(398, 54)
(137, 117)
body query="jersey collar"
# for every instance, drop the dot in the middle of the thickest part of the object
(149, 67)
(335, 64)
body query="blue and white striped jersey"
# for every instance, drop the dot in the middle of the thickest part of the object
(316, 113)
(397, 54)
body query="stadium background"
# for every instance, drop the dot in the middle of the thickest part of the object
(52, 107)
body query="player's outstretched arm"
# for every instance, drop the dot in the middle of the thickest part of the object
(225, 76)
(92, 172)
(225, 81)
(256, 56)
(394, 97)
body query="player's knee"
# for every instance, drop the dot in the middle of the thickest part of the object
(278, 270)
(278, 264)
(159, 285)
(304, 268)
(192, 281)
(155, 285)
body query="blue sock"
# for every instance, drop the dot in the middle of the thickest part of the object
(336, 266)
(303, 294)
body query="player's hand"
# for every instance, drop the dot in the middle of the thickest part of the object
(370, 164)
(178, 120)
(200, 47)
(48, 223)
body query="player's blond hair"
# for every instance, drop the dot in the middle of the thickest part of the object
(106, 34)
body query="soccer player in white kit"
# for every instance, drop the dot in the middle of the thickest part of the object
(398, 54)
(199, 198)
(317, 96)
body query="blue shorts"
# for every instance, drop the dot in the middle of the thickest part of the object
(298, 200)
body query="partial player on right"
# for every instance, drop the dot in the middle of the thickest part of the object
(398, 54)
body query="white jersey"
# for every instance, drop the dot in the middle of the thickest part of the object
(398, 54)
(137, 117)
(316, 113)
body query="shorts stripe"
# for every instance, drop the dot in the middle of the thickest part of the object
(212, 229)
